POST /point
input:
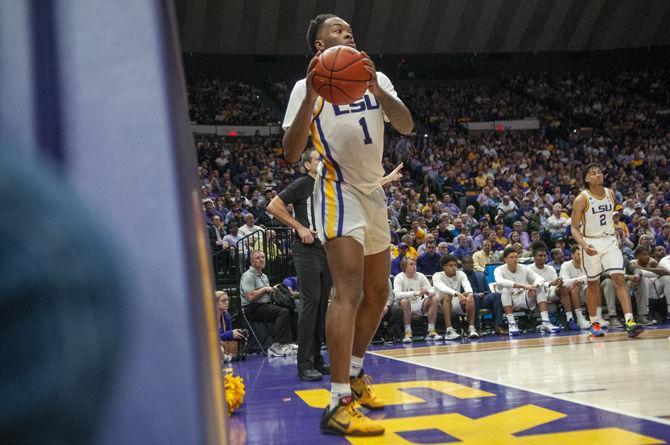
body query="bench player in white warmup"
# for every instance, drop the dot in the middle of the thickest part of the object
(413, 292)
(448, 285)
(519, 287)
(551, 290)
(593, 229)
(574, 283)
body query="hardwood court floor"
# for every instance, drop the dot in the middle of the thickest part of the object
(614, 371)
(559, 389)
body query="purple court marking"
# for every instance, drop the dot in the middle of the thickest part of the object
(274, 413)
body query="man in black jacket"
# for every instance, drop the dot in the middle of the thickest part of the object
(484, 298)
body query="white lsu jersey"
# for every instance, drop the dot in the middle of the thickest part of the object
(547, 272)
(570, 273)
(450, 285)
(505, 278)
(349, 138)
(599, 214)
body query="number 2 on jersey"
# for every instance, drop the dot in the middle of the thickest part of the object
(367, 140)
(602, 219)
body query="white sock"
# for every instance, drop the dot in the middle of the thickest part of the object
(337, 391)
(568, 315)
(545, 316)
(431, 326)
(472, 328)
(580, 313)
(628, 317)
(510, 319)
(408, 328)
(599, 312)
(355, 366)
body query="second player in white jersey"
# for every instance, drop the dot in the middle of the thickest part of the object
(599, 214)
(592, 228)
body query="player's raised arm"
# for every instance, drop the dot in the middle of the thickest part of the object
(577, 219)
(297, 133)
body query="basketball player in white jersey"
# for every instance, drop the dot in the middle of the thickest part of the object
(351, 217)
(593, 229)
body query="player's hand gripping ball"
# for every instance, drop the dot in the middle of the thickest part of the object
(340, 76)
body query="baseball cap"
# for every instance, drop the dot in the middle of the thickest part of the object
(402, 246)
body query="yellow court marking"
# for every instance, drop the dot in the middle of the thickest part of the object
(392, 394)
(499, 429)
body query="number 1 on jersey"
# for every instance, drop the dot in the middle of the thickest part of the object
(367, 140)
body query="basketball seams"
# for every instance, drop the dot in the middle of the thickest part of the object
(341, 85)
(342, 92)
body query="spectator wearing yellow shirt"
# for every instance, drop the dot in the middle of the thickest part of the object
(483, 257)
(620, 224)
(500, 234)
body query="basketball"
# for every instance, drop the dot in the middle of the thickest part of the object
(340, 76)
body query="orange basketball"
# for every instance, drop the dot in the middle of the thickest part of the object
(340, 76)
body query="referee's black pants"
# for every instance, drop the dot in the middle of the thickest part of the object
(315, 283)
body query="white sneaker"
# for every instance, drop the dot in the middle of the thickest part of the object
(472, 332)
(514, 330)
(604, 324)
(433, 335)
(290, 349)
(276, 350)
(408, 337)
(548, 326)
(584, 324)
(451, 334)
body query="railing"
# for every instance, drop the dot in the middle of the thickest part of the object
(231, 263)
(276, 243)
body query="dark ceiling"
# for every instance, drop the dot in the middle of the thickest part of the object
(278, 27)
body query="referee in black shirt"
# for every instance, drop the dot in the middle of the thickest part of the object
(309, 258)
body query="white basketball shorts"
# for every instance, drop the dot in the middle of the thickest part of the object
(608, 258)
(342, 210)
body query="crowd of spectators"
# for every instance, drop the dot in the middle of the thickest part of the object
(471, 195)
(621, 100)
(220, 102)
